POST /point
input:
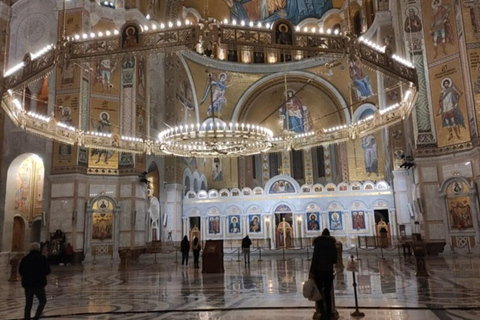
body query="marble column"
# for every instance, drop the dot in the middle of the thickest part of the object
(173, 210)
(403, 184)
(286, 168)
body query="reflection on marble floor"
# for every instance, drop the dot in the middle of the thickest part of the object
(103, 291)
(268, 314)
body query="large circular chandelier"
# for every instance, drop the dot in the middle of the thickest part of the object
(215, 139)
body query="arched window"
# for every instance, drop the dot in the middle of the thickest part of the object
(275, 161)
(187, 184)
(297, 165)
(318, 155)
(357, 23)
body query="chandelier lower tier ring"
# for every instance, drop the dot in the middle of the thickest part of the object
(220, 140)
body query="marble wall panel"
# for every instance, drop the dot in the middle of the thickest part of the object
(124, 239)
(141, 191)
(463, 169)
(429, 174)
(125, 215)
(80, 216)
(61, 215)
(125, 190)
(108, 189)
(140, 216)
(434, 206)
(79, 242)
(139, 239)
(82, 190)
(62, 190)
(437, 231)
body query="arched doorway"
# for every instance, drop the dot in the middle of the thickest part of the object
(23, 202)
(18, 234)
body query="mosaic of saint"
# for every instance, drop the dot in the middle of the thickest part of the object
(234, 224)
(358, 220)
(214, 225)
(254, 223)
(268, 11)
(282, 186)
(369, 146)
(295, 115)
(440, 27)
(218, 96)
(460, 212)
(449, 109)
(23, 191)
(335, 219)
(102, 226)
(312, 221)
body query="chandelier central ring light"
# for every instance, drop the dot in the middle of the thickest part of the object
(215, 140)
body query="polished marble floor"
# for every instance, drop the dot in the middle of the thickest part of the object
(271, 289)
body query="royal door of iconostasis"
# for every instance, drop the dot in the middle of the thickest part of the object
(283, 227)
(102, 229)
(382, 227)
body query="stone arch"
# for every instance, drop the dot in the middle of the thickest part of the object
(20, 201)
(289, 179)
(239, 111)
(361, 111)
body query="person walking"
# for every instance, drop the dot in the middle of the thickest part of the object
(185, 248)
(321, 270)
(246, 243)
(196, 252)
(34, 268)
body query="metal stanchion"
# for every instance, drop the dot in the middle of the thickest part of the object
(283, 251)
(381, 250)
(356, 250)
(308, 254)
(260, 253)
(238, 254)
(468, 246)
(356, 314)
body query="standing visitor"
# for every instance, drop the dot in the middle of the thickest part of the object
(34, 268)
(185, 247)
(196, 252)
(246, 243)
(321, 270)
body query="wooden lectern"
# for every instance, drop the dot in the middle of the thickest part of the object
(212, 258)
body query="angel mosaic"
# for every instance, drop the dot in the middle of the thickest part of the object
(219, 99)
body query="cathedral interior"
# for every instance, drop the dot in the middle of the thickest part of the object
(128, 124)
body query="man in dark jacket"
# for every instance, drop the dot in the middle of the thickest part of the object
(185, 248)
(34, 268)
(321, 270)
(246, 243)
